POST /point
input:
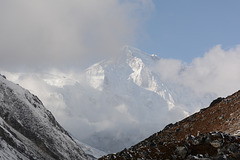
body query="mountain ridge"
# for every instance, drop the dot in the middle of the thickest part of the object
(28, 130)
(215, 127)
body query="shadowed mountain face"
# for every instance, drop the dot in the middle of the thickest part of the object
(211, 133)
(29, 131)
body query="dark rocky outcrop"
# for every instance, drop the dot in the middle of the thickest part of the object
(213, 145)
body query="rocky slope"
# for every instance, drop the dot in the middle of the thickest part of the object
(211, 133)
(29, 131)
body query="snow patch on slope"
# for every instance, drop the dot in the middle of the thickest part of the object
(95, 76)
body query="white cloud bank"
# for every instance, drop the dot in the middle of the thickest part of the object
(66, 33)
(217, 72)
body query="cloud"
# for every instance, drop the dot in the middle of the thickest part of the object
(216, 72)
(169, 68)
(66, 33)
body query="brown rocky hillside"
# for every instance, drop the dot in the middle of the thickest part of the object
(212, 133)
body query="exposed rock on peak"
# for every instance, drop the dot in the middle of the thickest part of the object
(3, 76)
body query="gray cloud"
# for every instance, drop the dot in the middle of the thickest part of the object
(66, 33)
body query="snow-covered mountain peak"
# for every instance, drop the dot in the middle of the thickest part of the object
(132, 65)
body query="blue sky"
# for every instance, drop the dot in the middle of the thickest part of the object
(187, 29)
